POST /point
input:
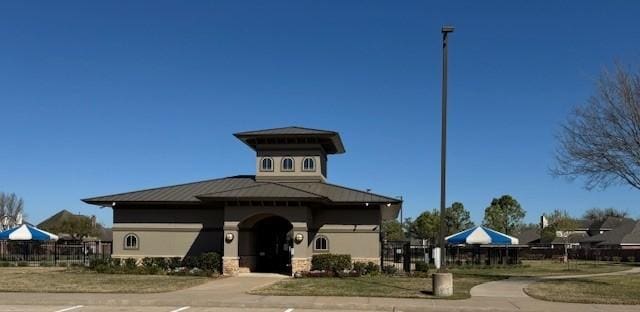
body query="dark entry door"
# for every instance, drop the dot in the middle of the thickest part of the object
(273, 245)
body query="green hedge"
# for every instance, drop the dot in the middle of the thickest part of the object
(331, 262)
(368, 268)
(209, 263)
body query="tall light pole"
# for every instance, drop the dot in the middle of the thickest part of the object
(443, 161)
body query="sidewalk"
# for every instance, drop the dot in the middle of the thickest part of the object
(231, 292)
(514, 287)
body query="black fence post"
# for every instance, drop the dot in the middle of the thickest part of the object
(406, 254)
(382, 250)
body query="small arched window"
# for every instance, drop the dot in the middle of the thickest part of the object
(309, 164)
(266, 164)
(131, 241)
(287, 164)
(321, 244)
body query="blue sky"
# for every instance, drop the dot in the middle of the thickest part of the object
(105, 97)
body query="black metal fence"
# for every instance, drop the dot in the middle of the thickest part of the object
(404, 256)
(590, 254)
(34, 253)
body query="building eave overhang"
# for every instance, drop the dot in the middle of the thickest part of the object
(115, 203)
(330, 142)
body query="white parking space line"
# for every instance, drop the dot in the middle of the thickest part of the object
(180, 309)
(69, 309)
(288, 310)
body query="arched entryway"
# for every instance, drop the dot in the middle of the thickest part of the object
(264, 244)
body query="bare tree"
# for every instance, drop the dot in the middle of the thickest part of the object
(599, 214)
(601, 140)
(11, 208)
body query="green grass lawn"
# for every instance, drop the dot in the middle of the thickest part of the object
(543, 268)
(620, 289)
(369, 286)
(26, 279)
(413, 287)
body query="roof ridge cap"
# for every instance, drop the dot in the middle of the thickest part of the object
(356, 190)
(257, 184)
(301, 190)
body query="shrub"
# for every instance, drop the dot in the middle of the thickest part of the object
(183, 271)
(616, 259)
(372, 268)
(5, 264)
(116, 262)
(368, 268)
(99, 261)
(151, 270)
(390, 269)
(422, 266)
(160, 263)
(130, 265)
(210, 261)
(631, 259)
(23, 264)
(104, 268)
(331, 262)
(174, 262)
(46, 264)
(190, 262)
(329, 274)
(360, 268)
(147, 262)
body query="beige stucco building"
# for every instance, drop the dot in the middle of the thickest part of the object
(273, 221)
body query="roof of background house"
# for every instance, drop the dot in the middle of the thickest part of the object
(57, 219)
(245, 188)
(623, 233)
(329, 140)
(584, 224)
(609, 223)
(573, 238)
(632, 238)
(529, 236)
(106, 234)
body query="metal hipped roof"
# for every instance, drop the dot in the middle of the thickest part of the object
(244, 187)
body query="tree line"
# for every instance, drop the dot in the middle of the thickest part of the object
(503, 214)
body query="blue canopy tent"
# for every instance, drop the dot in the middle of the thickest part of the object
(481, 237)
(27, 232)
(19, 243)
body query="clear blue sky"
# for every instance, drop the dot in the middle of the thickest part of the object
(105, 97)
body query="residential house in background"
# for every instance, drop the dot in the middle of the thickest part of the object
(626, 235)
(55, 223)
(529, 237)
(611, 232)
